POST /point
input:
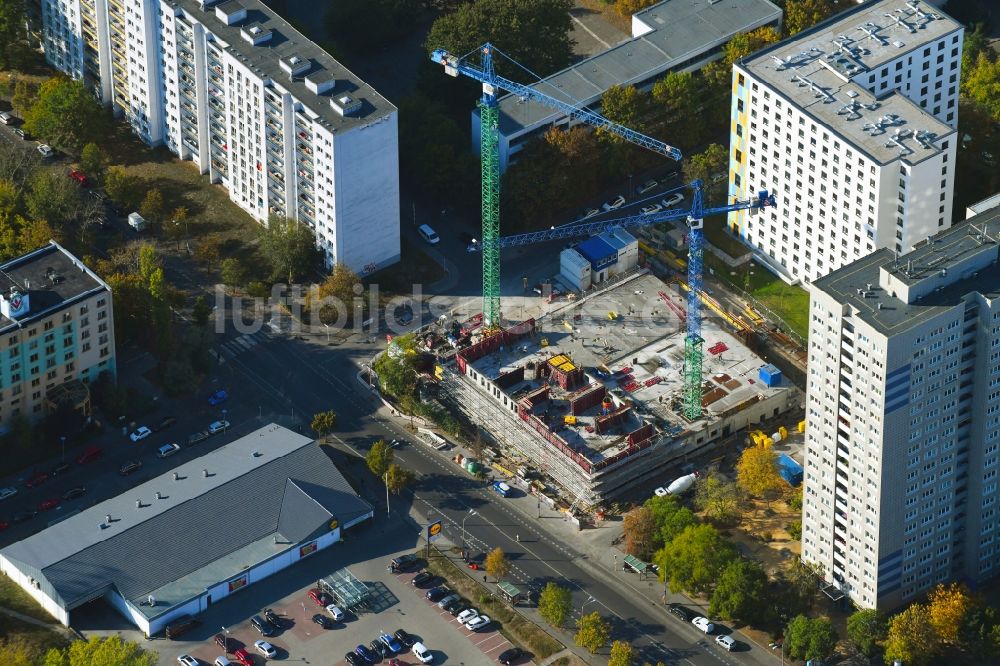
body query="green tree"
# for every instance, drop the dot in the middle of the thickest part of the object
(25, 96)
(93, 161)
(555, 603)
(640, 532)
(395, 368)
(866, 628)
(757, 472)
(123, 188)
(718, 497)
(289, 247)
(975, 42)
(12, 33)
(323, 423)
(208, 251)
(152, 207)
(398, 478)
(577, 156)
(368, 26)
(980, 631)
(233, 272)
(912, 638)
(621, 652)
(52, 196)
(677, 97)
(333, 299)
(807, 638)
(101, 651)
(496, 563)
(694, 560)
(592, 632)
(379, 458)
(983, 84)
(741, 593)
(625, 105)
(670, 517)
(66, 115)
(802, 14)
(200, 312)
(702, 166)
(535, 33)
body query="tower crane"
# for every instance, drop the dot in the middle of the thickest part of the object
(492, 242)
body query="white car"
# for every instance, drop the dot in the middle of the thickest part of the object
(647, 186)
(726, 642)
(142, 432)
(7, 492)
(615, 203)
(421, 652)
(588, 213)
(265, 649)
(477, 623)
(673, 199)
(467, 615)
(652, 208)
(45, 150)
(167, 450)
(703, 624)
(187, 660)
(661, 492)
(335, 613)
(719, 177)
(218, 426)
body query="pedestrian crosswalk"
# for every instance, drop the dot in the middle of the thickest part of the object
(235, 346)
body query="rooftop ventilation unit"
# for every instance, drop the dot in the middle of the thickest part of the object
(901, 21)
(320, 81)
(255, 34)
(852, 110)
(295, 66)
(925, 138)
(897, 139)
(871, 30)
(231, 12)
(345, 105)
(803, 81)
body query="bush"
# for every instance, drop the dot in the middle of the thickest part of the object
(795, 529)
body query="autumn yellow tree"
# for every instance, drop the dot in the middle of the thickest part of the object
(497, 564)
(757, 471)
(640, 532)
(948, 607)
(912, 638)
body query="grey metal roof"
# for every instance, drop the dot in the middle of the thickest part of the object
(814, 69)
(286, 42)
(895, 294)
(198, 519)
(679, 30)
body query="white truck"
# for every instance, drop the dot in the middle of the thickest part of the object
(136, 221)
(678, 486)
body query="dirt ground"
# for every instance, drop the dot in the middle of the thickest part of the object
(778, 553)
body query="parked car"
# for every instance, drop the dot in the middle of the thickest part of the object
(21, 133)
(335, 613)
(218, 426)
(22, 516)
(673, 199)
(727, 642)
(648, 186)
(140, 433)
(681, 613)
(404, 562)
(223, 642)
(421, 652)
(90, 454)
(129, 467)
(73, 493)
(422, 578)
(36, 479)
(78, 176)
(365, 654)
(167, 450)
(265, 649)
(435, 594)
(187, 660)
(508, 657)
(614, 204)
(45, 150)
(501, 488)
(322, 620)
(588, 213)
(8, 492)
(650, 209)
(704, 624)
(59, 469)
(455, 606)
(243, 656)
(477, 623)
(404, 638)
(447, 599)
(218, 397)
(199, 437)
(272, 619)
(6, 118)
(261, 625)
(467, 615)
(353, 659)
(49, 504)
(380, 648)
(164, 423)
(320, 597)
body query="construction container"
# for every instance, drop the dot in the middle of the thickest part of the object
(767, 443)
(802, 426)
(770, 375)
(783, 431)
(789, 470)
(569, 420)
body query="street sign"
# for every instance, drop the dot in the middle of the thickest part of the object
(433, 530)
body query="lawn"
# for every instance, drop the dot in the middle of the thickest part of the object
(788, 302)
(21, 639)
(16, 599)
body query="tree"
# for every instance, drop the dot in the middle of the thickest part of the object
(912, 638)
(983, 84)
(621, 652)
(66, 115)
(807, 638)
(975, 42)
(233, 273)
(948, 607)
(670, 518)
(398, 478)
(12, 33)
(757, 471)
(640, 532)
(746, 43)
(678, 96)
(208, 251)
(153, 208)
(702, 166)
(123, 188)
(592, 632)
(395, 368)
(101, 651)
(368, 26)
(694, 560)
(52, 196)
(865, 628)
(379, 458)
(718, 497)
(625, 105)
(802, 14)
(200, 312)
(93, 161)
(333, 299)
(323, 423)
(555, 603)
(980, 634)
(289, 247)
(496, 563)
(25, 96)
(535, 33)
(741, 593)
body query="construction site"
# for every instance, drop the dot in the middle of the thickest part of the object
(589, 396)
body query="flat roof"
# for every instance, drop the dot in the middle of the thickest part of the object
(894, 294)
(813, 70)
(286, 43)
(679, 30)
(53, 279)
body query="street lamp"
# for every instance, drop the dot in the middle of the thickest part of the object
(472, 512)
(387, 493)
(589, 599)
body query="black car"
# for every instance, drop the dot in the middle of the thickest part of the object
(199, 437)
(681, 613)
(60, 468)
(353, 659)
(403, 562)
(322, 620)
(272, 619)
(422, 578)
(73, 493)
(404, 638)
(129, 467)
(164, 423)
(508, 657)
(22, 516)
(261, 625)
(452, 605)
(436, 594)
(224, 642)
(378, 647)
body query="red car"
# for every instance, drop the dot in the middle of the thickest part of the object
(242, 656)
(50, 503)
(78, 176)
(320, 597)
(90, 454)
(4, 525)
(37, 479)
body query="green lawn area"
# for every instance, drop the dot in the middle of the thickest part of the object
(790, 303)
(16, 599)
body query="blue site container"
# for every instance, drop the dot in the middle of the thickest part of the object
(770, 375)
(789, 470)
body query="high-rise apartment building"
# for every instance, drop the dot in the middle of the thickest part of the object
(903, 411)
(852, 125)
(56, 328)
(259, 108)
